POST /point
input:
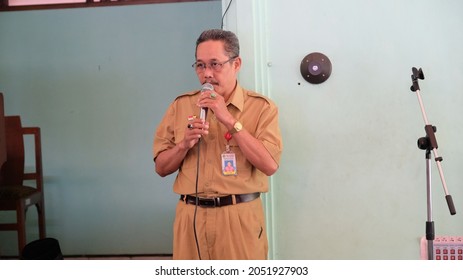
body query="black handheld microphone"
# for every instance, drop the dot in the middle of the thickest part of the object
(203, 112)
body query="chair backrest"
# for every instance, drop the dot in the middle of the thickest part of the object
(13, 168)
(2, 135)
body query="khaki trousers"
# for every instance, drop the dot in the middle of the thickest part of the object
(234, 232)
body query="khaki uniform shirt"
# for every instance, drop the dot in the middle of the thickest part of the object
(259, 116)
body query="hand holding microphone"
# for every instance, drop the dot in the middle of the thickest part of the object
(209, 99)
(198, 127)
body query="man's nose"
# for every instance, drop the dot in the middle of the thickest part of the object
(208, 73)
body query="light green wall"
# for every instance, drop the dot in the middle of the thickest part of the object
(97, 81)
(352, 181)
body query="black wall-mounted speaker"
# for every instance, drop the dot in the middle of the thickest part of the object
(316, 68)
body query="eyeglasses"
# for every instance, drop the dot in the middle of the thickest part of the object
(215, 66)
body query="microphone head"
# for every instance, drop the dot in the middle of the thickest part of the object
(207, 86)
(203, 112)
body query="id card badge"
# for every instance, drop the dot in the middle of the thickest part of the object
(229, 164)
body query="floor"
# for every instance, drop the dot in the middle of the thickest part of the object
(106, 257)
(120, 257)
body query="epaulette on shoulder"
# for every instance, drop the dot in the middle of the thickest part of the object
(258, 95)
(190, 93)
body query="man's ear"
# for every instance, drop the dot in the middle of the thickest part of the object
(237, 63)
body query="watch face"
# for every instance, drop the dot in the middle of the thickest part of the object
(238, 126)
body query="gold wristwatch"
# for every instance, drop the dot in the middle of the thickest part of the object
(236, 128)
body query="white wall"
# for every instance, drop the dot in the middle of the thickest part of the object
(352, 181)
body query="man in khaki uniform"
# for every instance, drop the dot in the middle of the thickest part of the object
(223, 161)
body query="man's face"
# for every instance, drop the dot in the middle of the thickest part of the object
(223, 79)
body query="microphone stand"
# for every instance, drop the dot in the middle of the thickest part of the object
(429, 143)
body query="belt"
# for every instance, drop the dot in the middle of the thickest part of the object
(219, 201)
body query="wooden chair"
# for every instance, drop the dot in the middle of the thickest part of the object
(2, 136)
(14, 195)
